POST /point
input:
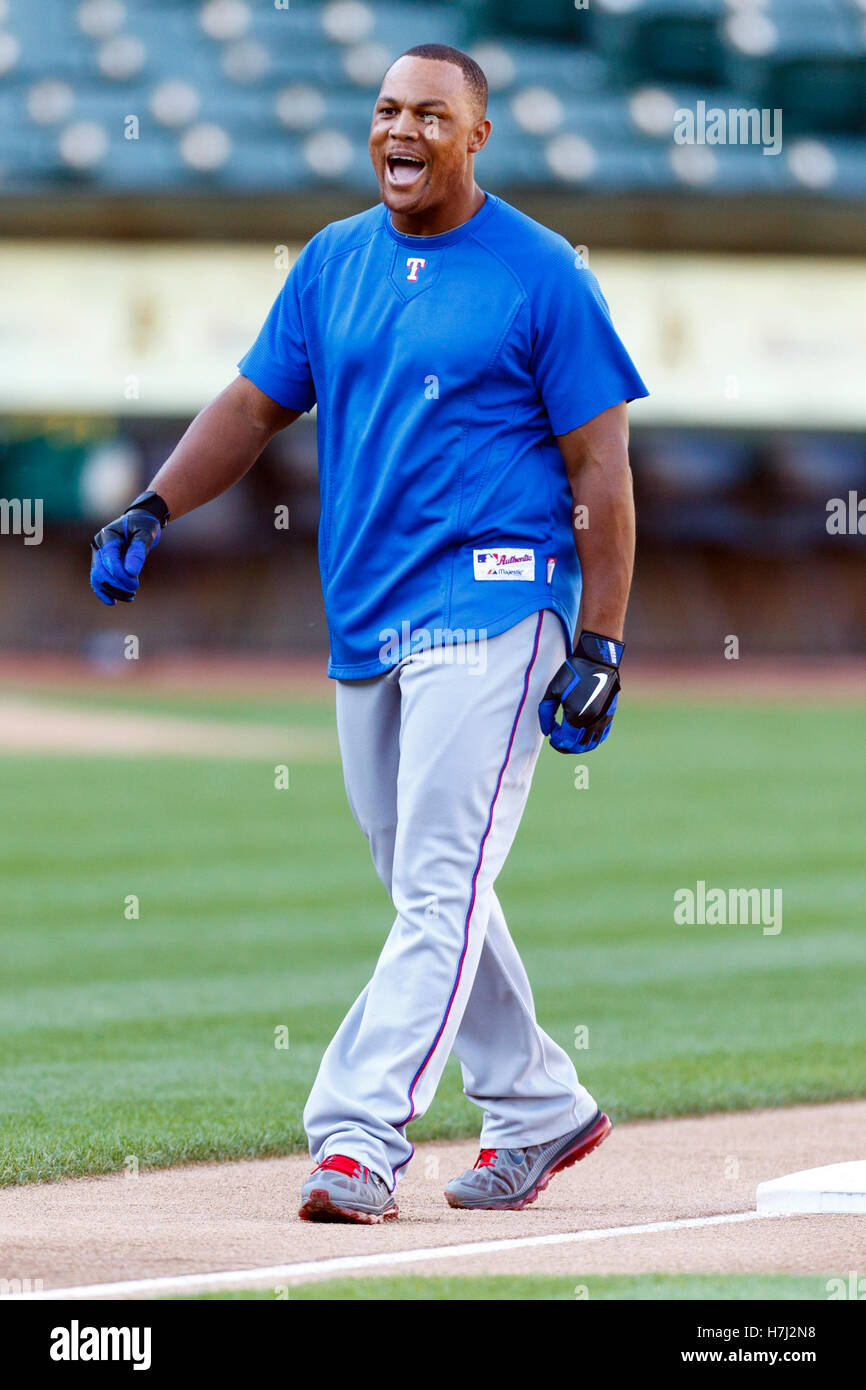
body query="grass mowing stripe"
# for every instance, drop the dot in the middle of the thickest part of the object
(315, 712)
(570, 1288)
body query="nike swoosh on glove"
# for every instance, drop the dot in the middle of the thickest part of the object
(587, 687)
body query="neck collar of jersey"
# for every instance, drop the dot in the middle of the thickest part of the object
(444, 238)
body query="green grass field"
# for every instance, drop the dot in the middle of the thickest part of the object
(572, 1288)
(259, 910)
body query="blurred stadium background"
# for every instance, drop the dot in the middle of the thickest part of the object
(162, 161)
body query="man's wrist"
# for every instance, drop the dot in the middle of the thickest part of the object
(594, 646)
(152, 503)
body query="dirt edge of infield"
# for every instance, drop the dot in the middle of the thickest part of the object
(241, 1216)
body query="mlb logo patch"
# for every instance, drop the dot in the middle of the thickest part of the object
(504, 564)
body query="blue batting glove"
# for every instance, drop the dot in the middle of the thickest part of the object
(587, 687)
(120, 549)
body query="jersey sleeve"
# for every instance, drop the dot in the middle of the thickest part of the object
(578, 362)
(278, 362)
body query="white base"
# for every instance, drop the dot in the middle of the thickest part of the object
(840, 1187)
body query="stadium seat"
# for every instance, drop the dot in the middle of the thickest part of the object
(659, 39)
(567, 71)
(813, 69)
(401, 26)
(818, 94)
(560, 19)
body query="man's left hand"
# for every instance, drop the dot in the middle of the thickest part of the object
(587, 687)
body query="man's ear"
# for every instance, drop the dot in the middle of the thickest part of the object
(479, 136)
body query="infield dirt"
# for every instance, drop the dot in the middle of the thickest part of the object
(213, 1217)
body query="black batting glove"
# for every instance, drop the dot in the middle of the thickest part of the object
(587, 687)
(120, 549)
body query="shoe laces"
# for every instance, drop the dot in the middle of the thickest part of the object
(486, 1158)
(340, 1163)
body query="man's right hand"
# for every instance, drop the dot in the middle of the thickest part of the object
(120, 549)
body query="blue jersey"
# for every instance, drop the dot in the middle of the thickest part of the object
(442, 367)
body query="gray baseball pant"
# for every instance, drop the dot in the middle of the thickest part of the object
(438, 756)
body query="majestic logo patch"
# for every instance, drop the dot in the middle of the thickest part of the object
(551, 566)
(504, 564)
(416, 263)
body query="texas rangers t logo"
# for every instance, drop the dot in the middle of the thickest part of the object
(417, 263)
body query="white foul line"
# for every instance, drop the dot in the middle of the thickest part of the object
(342, 1264)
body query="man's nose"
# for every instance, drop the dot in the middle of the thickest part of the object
(405, 125)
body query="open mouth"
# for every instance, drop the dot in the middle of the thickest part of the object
(404, 169)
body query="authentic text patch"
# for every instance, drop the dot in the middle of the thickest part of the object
(504, 564)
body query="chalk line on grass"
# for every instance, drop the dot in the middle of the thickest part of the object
(345, 1264)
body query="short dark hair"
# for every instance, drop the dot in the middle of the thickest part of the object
(472, 73)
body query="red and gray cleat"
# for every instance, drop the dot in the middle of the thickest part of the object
(510, 1179)
(341, 1189)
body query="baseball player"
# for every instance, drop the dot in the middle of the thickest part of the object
(471, 395)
